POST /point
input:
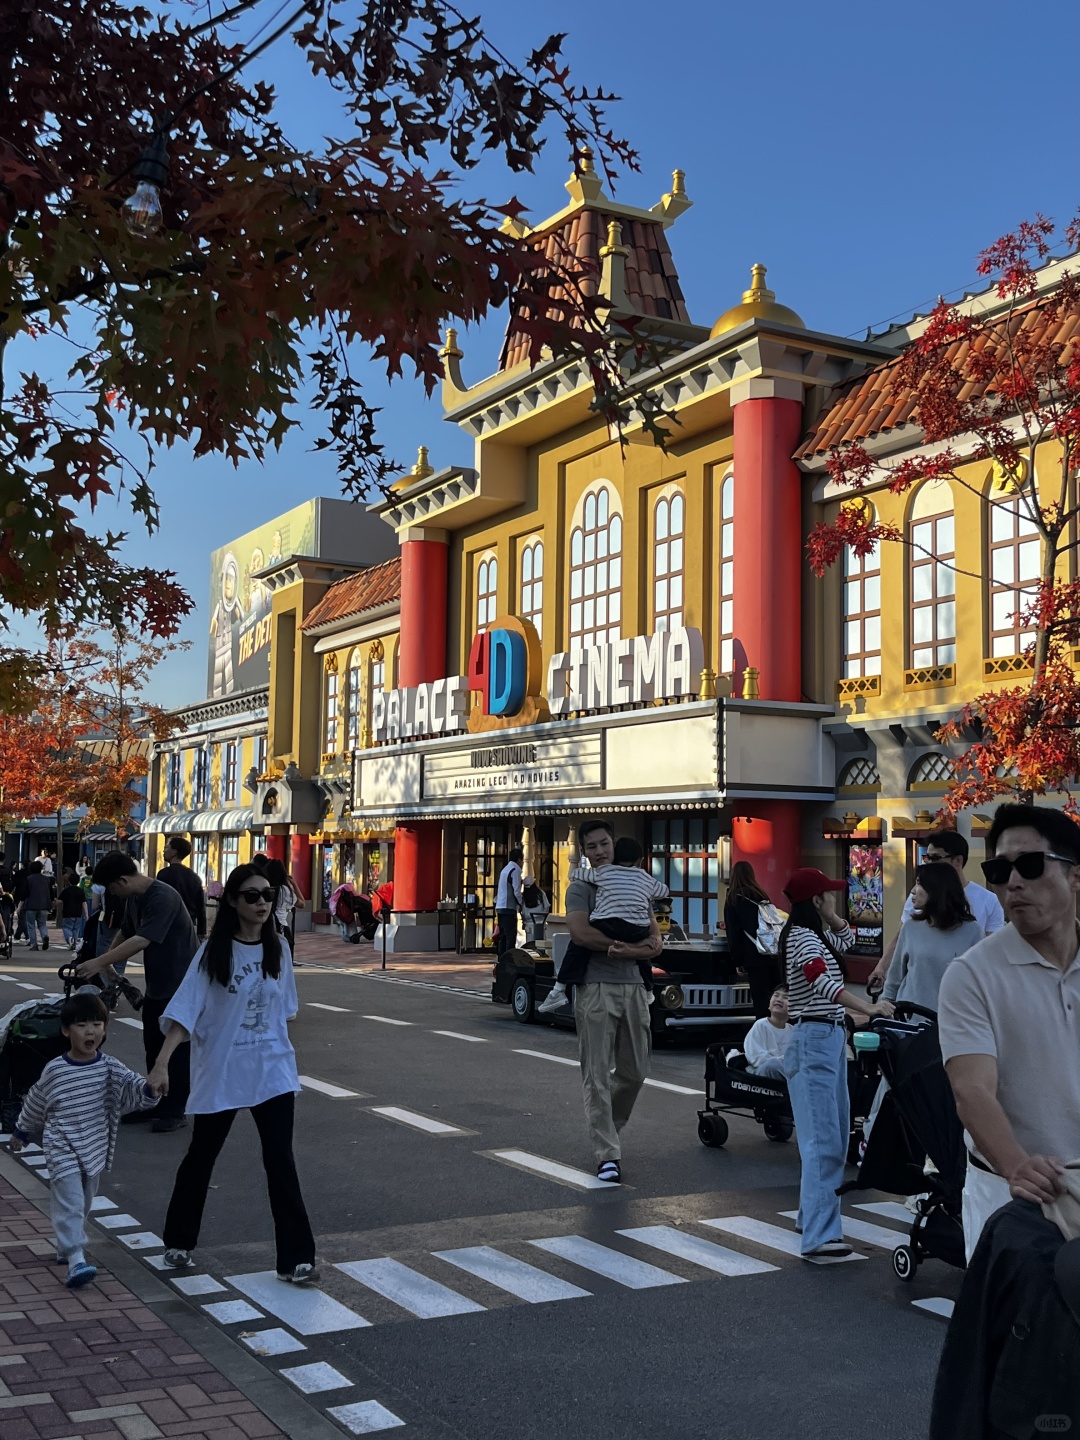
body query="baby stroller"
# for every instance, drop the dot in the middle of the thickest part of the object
(31, 1037)
(917, 1120)
(7, 914)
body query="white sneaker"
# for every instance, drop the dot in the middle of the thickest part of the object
(555, 1001)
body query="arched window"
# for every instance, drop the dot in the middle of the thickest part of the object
(596, 572)
(860, 774)
(531, 604)
(932, 532)
(862, 613)
(727, 575)
(931, 772)
(669, 520)
(330, 708)
(1015, 562)
(487, 582)
(354, 702)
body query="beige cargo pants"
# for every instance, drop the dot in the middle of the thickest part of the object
(614, 1042)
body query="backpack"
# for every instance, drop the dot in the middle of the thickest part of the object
(770, 922)
(343, 906)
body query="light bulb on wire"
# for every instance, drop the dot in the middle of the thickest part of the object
(142, 211)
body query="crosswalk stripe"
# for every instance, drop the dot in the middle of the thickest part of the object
(552, 1169)
(678, 1089)
(336, 1092)
(121, 1221)
(702, 1252)
(514, 1276)
(387, 1020)
(936, 1305)
(127, 1020)
(417, 1121)
(773, 1237)
(272, 1342)
(338, 1009)
(308, 1312)
(543, 1055)
(612, 1264)
(9, 978)
(457, 1035)
(889, 1210)
(232, 1312)
(862, 1230)
(317, 1377)
(100, 1202)
(366, 1417)
(424, 1298)
(26, 985)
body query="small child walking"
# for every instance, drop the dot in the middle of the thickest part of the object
(76, 1107)
(623, 911)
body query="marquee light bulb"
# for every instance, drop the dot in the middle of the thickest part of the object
(142, 210)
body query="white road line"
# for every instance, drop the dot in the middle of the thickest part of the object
(272, 1342)
(678, 1089)
(702, 1252)
(387, 1020)
(26, 985)
(336, 1092)
(231, 1312)
(773, 1237)
(118, 1222)
(339, 1009)
(418, 1122)
(9, 978)
(100, 1202)
(512, 1275)
(315, 1378)
(890, 1210)
(424, 1298)
(937, 1305)
(366, 1418)
(126, 1020)
(36, 1160)
(542, 1055)
(142, 1240)
(308, 1312)
(862, 1230)
(198, 1285)
(552, 1169)
(612, 1264)
(457, 1035)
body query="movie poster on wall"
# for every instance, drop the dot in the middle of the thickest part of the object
(866, 898)
(239, 625)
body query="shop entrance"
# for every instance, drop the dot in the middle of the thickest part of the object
(483, 854)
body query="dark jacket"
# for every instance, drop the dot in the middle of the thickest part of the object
(40, 892)
(190, 889)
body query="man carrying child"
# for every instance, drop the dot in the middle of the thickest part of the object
(611, 1002)
(76, 1107)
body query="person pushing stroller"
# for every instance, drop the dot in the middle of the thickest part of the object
(76, 1107)
(623, 911)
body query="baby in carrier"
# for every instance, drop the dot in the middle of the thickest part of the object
(623, 911)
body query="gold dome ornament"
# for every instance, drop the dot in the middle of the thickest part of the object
(758, 303)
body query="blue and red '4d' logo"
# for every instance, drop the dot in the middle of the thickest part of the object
(499, 670)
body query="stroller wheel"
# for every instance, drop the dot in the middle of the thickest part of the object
(712, 1130)
(778, 1129)
(904, 1262)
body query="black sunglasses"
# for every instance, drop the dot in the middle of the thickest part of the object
(253, 897)
(1029, 866)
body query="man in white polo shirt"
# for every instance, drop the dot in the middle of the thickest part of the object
(947, 847)
(1009, 1019)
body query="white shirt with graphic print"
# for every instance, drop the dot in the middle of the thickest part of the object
(241, 1054)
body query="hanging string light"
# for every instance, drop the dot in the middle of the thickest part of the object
(141, 211)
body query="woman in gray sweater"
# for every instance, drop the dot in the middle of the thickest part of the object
(941, 928)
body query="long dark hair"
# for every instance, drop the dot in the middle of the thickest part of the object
(946, 904)
(217, 957)
(805, 913)
(743, 884)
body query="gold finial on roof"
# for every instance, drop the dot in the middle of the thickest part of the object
(584, 184)
(450, 345)
(421, 470)
(678, 182)
(614, 244)
(672, 205)
(758, 303)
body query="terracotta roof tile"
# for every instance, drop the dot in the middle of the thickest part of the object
(878, 400)
(652, 282)
(377, 585)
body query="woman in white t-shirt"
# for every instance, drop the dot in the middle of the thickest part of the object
(234, 1004)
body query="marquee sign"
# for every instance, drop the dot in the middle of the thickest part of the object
(505, 674)
(491, 770)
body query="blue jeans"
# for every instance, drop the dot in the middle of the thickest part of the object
(816, 1070)
(72, 927)
(37, 921)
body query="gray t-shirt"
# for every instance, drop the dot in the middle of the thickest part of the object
(160, 916)
(923, 954)
(602, 969)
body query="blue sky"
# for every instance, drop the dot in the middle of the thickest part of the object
(864, 153)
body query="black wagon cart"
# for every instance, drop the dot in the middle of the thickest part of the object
(730, 1089)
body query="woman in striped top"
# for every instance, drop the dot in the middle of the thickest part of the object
(815, 1063)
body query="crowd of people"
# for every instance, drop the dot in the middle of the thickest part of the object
(998, 966)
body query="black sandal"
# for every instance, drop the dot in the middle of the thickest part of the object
(609, 1172)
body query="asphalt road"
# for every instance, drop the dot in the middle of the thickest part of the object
(619, 1336)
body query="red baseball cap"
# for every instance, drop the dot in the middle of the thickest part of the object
(805, 884)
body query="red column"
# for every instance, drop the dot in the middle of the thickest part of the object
(421, 657)
(768, 834)
(300, 863)
(275, 847)
(768, 542)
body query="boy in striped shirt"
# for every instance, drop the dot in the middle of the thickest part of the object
(76, 1107)
(623, 911)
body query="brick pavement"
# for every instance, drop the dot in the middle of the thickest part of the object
(98, 1362)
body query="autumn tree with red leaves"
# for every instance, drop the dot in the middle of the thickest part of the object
(1001, 384)
(273, 270)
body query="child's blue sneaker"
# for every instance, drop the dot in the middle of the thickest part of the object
(80, 1275)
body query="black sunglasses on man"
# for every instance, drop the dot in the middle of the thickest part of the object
(1028, 866)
